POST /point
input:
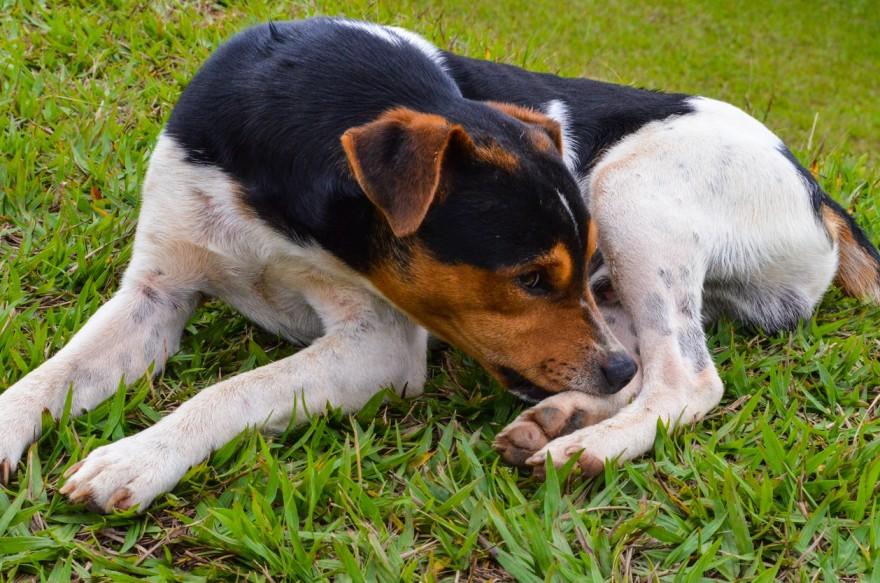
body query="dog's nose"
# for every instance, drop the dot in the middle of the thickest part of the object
(619, 370)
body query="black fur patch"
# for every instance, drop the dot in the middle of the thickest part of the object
(687, 306)
(578, 420)
(269, 108)
(596, 262)
(494, 219)
(146, 304)
(150, 294)
(522, 387)
(771, 309)
(813, 188)
(692, 343)
(600, 113)
(819, 198)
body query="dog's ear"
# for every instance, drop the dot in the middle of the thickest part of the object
(398, 160)
(543, 123)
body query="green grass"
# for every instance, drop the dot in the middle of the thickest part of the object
(780, 482)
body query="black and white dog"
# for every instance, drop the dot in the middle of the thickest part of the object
(349, 185)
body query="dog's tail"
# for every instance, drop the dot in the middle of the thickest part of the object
(858, 269)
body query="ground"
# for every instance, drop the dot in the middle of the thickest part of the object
(778, 483)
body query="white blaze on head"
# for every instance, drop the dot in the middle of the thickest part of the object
(567, 208)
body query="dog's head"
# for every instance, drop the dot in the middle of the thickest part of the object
(487, 243)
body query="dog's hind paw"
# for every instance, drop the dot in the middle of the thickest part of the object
(553, 417)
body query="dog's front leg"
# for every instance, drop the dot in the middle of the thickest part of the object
(367, 346)
(141, 325)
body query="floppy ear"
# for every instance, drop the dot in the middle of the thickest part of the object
(541, 122)
(398, 161)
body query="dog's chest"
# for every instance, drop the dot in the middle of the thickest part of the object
(267, 293)
(263, 274)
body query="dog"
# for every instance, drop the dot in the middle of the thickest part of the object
(351, 187)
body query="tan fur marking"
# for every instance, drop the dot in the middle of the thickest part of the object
(857, 272)
(530, 116)
(497, 155)
(239, 200)
(833, 223)
(260, 286)
(485, 313)
(542, 141)
(559, 265)
(592, 238)
(605, 170)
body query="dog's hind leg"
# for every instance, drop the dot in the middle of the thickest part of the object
(658, 257)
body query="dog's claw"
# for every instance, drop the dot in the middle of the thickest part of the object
(122, 475)
(588, 465)
(81, 495)
(120, 500)
(68, 488)
(5, 472)
(72, 470)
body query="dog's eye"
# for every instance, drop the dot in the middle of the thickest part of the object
(532, 281)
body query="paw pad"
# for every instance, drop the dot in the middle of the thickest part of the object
(536, 427)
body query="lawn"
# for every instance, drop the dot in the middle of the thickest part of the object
(779, 482)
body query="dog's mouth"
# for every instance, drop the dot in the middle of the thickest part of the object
(522, 387)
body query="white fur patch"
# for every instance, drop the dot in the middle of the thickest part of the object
(567, 208)
(558, 111)
(725, 177)
(376, 30)
(731, 119)
(397, 36)
(420, 43)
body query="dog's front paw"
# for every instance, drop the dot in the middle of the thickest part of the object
(613, 440)
(553, 417)
(126, 474)
(588, 445)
